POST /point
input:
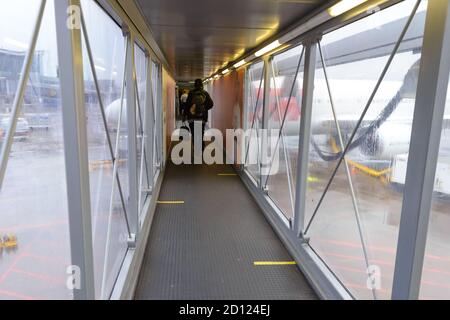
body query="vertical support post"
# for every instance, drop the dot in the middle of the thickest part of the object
(133, 211)
(150, 114)
(248, 103)
(245, 103)
(158, 112)
(263, 167)
(70, 57)
(305, 135)
(161, 119)
(423, 152)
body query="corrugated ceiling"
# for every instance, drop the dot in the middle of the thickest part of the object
(199, 36)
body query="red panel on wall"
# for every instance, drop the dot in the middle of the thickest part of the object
(227, 93)
(169, 106)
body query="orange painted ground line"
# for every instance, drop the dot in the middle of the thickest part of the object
(104, 164)
(388, 277)
(389, 250)
(435, 284)
(17, 295)
(350, 257)
(38, 276)
(381, 262)
(16, 260)
(357, 286)
(45, 258)
(274, 263)
(35, 226)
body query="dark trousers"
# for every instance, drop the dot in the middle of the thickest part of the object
(192, 128)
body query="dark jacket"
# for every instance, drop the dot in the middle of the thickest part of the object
(209, 104)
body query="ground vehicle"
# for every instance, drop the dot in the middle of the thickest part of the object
(8, 242)
(23, 129)
(38, 120)
(442, 179)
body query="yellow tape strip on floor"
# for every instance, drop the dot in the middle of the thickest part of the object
(274, 263)
(227, 174)
(170, 202)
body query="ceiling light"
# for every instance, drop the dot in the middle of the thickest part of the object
(344, 6)
(225, 71)
(240, 63)
(268, 48)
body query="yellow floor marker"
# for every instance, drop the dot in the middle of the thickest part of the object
(170, 202)
(313, 179)
(274, 263)
(227, 174)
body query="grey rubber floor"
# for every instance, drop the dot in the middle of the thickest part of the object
(205, 248)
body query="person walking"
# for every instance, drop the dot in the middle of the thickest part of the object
(198, 104)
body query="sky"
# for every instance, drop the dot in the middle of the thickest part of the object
(17, 19)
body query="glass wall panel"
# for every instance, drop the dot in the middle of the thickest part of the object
(141, 125)
(108, 212)
(254, 97)
(34, 231)
(355, 228)
(284, 106)
(436, 269)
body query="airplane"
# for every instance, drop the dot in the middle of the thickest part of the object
(383, 136)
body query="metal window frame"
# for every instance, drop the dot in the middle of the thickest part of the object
(280, 139)
(420, 174)
(112, 149)
(350, 182)
(160, 124)
(424, 150)
(425, 141)
(70, 57)
(157, 115)
(147, 144)
(150, 105)
(71, 73)
(253, 105)
(239, 162)
(141, 128)
(80, 223)
(129, 274)
(264, 123)
(133, 210)
(305, 136)
(320, 277)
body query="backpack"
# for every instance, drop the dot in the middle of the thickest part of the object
(198, 109)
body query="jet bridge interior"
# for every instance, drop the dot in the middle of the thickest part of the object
(326, 170)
